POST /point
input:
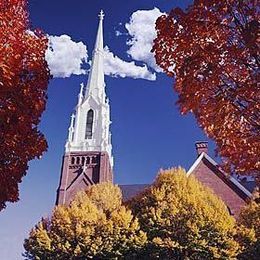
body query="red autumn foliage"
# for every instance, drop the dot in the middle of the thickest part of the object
(24, 78)
(214, 49)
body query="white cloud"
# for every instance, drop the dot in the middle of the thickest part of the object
(116, 67)
(65, 57)
(141, 29)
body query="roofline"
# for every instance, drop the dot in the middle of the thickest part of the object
(232, 179)
(195, 164)
(240, 186)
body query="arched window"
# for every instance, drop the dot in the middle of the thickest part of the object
(78, 160)
(89, 124)
(82, 160)
(72, 160)
(88, 160)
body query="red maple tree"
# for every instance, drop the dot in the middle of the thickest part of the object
(212, 50)
(24, 78)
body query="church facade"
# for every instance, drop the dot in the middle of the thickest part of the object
(88, 151)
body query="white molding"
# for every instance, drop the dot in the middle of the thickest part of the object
(210, 159)
(195, 164)
(240, 186)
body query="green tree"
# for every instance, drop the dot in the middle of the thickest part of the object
(184, 220)
(94, 226)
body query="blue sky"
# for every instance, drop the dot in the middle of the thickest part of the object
(148, 132)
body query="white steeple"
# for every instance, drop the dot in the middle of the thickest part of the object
(90, 131)
(95, 86)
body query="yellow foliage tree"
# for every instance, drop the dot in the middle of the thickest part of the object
(249, 229)
(94, 226)
(107, 197)
(184, 220)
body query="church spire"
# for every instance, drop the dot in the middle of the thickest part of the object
(95, 85)
(92, 118)
(88, 155)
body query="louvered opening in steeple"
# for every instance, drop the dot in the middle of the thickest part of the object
(89, 124)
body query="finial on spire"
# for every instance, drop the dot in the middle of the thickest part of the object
(71, 128)
(80, 95)
(101, 15)
(81, 88)
(72, 120)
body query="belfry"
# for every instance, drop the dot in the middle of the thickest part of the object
(88, 151)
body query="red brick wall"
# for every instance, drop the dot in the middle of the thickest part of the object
(210, 178)
(71, 181)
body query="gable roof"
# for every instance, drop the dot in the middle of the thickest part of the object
(131, 190)
(229, 180)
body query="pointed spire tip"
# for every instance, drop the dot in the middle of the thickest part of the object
(101, 15)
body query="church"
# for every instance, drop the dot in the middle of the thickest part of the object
(88, 155)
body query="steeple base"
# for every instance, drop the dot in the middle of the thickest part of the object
(80, 170)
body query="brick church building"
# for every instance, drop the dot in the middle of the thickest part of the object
(88, 151)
